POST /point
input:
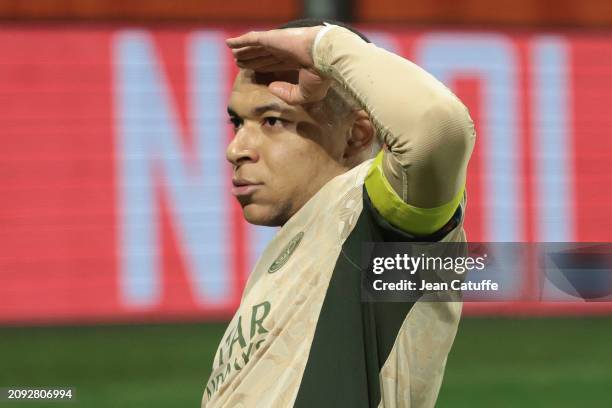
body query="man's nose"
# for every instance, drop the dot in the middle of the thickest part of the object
(242, 149)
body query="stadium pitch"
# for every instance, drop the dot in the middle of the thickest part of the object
(560, 362)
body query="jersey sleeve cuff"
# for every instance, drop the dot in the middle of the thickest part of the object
(415, 220)
(320, 35)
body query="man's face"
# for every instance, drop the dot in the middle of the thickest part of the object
(281, 154)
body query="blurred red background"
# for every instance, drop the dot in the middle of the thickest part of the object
(115, 202)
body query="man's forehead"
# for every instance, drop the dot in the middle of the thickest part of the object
(249, 97)
(247, 76)
(250, 93)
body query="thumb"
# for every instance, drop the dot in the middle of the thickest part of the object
(289, 93)
(311, 87)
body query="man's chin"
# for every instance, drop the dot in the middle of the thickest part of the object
(261, 215)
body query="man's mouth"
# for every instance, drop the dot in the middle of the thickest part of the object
(242, 187)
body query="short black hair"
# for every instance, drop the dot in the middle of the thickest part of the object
(314, 22)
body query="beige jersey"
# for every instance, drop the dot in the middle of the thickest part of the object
(302, 335)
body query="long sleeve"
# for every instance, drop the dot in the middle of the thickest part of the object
(417, 182)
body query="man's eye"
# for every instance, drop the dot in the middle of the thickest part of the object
(236, 122)
(272, 121)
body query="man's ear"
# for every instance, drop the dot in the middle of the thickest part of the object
(361, 135)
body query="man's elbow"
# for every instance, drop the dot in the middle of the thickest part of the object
(450, 126)
(445, 148)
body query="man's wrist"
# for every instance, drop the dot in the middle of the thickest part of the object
(316, 52)
(320, 35)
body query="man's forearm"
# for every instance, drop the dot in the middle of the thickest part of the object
(425, 127)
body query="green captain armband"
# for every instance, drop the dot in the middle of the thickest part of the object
(415, 220)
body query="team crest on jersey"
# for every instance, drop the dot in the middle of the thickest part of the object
(286, 253)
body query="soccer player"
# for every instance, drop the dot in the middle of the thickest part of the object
(339, 142)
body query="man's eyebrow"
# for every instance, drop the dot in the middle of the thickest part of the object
(260, 110)
(269, 107)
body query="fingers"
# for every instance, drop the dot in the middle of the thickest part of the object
(268, 63)
(250, 52)
(252, 38)
(257, 64)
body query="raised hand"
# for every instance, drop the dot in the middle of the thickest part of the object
(283, 50)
